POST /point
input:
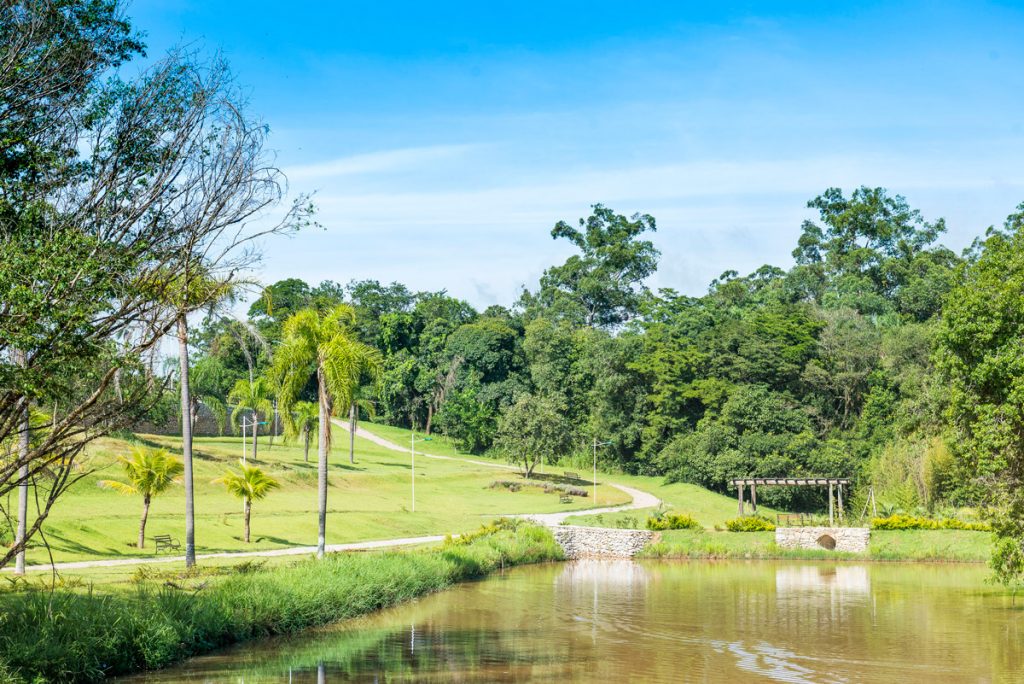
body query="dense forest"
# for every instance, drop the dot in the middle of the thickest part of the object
(827, 368)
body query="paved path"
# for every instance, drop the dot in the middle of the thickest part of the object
(292, 551)
(640, 500)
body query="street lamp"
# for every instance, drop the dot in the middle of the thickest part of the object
(597, 444)
(412, 448)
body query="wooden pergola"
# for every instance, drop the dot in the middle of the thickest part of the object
(835, 486)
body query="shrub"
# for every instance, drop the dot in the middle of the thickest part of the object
(750, 523)
(899, 521)
(673, 521)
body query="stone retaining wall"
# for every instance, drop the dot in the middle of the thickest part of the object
(600, 542)
(853, 539)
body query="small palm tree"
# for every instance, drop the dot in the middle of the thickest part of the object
(252, 484)
(301, 421)
(252, 396)
(150, 472)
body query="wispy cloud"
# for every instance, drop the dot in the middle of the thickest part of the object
(387, 161)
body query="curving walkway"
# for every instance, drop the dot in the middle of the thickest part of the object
(641, 499)
(291, 551)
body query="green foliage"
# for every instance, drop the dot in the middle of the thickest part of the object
(150, 472)
(533, 430)
(908, 522)
(251, 484)
(601, 286)
(673, 521)
(750, 523)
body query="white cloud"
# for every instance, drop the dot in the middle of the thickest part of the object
(374, 162)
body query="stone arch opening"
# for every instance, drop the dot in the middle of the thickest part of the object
(827, 541)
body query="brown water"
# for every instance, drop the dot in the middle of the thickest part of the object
(664, 622)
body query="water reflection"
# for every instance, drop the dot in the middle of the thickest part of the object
(597, 621)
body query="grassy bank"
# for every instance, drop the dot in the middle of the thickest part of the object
(369, 499)
(886, 545)
(85, 635)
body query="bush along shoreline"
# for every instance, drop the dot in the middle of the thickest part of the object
(87, 636)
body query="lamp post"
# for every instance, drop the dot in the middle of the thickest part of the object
(412, 449)
(255, 426)
(597, 444)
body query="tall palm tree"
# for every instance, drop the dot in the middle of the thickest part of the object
(193, 289)
(254, 397)
(150, 472)
(252, 484)
(301, 422)
(323, 344)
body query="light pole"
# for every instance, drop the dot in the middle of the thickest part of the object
(597, 444)
(412, 449)
(255, 426)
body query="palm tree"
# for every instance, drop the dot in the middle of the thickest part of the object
(252, 396)
(150, 472)
(252, 484)
(323, 345)
(185, 292)
(301, 422)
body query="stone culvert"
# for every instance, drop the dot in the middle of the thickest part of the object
(600, 542)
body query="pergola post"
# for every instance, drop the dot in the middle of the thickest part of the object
(739, 496)
(831, 507)
(753, 496)
(840, 492)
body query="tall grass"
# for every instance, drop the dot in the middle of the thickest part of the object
(86, 636)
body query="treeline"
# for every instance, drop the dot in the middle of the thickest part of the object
(826, 368)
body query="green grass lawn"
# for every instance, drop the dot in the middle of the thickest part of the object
(367, 500)
(902, 545)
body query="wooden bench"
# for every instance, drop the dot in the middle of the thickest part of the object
(164, 542)
(572, 476)
(786, 519)
(565, 498)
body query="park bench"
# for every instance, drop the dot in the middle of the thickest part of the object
(572, 476)
(787, 519)
(164, 542)
(565, 498)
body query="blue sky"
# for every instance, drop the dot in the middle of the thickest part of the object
(444, 140)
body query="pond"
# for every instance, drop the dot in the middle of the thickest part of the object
(615, 621)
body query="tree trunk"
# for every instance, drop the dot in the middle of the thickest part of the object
(142, 523)
(186, 443)
(323, 447)
(255, 432)
(273, 426)
(305, 432)
(248, 510)
(24, 436)
(430, 417)
(352, 413)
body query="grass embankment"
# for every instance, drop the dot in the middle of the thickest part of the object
(87, 635)
(367, 500)
(712, 510)
(885, 545)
